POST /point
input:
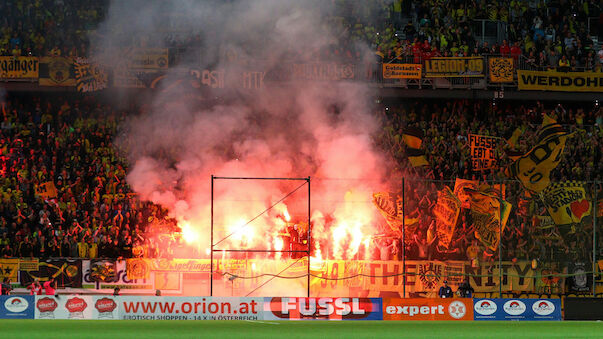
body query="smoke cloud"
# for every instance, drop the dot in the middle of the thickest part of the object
(294, 128)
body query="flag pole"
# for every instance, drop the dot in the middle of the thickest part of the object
(403, 241)
(500, 204)
(595, 201)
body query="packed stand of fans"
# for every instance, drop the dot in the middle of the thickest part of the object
(94, 214)
(446, 125)
(549, 34)
(48, 27)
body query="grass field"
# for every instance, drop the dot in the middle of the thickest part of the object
(295, 329)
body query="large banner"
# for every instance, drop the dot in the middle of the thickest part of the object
(446, 212)
(67, 272)
(138, 268)
(454, 67)
(105, 275)
(427, 309)
(483, 152)
(402, 71)
(566, 202)
(534, 168)
(56, 71)
(19, 68)
(9, 268)
(147, 58)
(17, 307)
(323, 309)
(560, 81)
(141, 67)
(322, 71)
(517, 309)
(90, 77)
(335, 278)
(500, 69)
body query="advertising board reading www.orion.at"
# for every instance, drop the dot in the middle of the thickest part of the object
(189, 308)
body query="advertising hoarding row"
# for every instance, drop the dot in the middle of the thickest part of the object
(109, 307)
(517, 309)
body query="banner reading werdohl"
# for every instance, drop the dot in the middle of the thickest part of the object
(560, 81)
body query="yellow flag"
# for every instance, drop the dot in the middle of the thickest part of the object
(566, 202)
(137, 269)
(490, 217)
(390, 206)
(459, 190)
(47, 190)
(9, 268)
(446, 212)
(534, 168)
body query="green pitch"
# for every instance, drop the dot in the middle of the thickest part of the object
(294, 329)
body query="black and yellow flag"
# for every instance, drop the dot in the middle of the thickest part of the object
(446, 212)
(490, 216)
(417, 157)
(533, 169)
(90, 77)
(566, 202)
(56, 71)
(514, 138)
(390, 205)
(413, 137)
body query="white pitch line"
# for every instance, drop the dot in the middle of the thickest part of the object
(262, 322)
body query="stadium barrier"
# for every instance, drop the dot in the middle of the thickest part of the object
(17, 306)
(583, 309)
(427, 309)
(517, 309)
(110, 307)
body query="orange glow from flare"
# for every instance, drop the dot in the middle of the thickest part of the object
(286, 214)
(189, 233)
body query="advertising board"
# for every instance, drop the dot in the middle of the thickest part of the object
(427, 309)
(189, 308)
(17, 307)
(323, 309)
(517, 309)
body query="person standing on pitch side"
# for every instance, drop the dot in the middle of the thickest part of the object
(445, 291)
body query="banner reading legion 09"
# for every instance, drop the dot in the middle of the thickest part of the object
(452, 67)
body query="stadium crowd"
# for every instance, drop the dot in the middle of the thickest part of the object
(48, 27)
(69, 143)
(447, 125)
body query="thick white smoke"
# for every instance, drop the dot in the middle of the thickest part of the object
(284, 129)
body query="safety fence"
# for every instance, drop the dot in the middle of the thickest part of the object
(328, 277)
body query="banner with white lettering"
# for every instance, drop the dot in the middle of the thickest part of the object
(323, 309)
